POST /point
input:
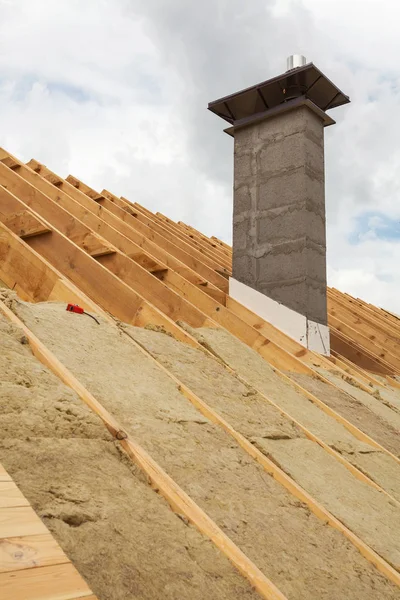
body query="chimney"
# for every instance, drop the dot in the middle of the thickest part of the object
(279, 241)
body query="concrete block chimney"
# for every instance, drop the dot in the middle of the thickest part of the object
(279, 240)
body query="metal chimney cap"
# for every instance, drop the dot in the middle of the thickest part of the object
(294, 61)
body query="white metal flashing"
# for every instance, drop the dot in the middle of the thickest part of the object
(309, 334)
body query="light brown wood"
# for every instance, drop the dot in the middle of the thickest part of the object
(347, 347)
(55, 582)
(4, 476)
(24, 224)
(10, 495)
(95, 280)
(25, 552)
(17, 521)
(136, 246)
(379, 352)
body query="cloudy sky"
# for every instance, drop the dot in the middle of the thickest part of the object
(115, 92)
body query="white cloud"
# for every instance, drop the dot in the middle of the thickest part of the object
(115, 92)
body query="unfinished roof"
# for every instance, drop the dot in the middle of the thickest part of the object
(234, 463)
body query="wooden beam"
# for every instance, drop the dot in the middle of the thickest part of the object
(29, 551)
(358, 316)
(219, 259)
(381, 354)
(193, 246)
(346, 347)
(93, 279)
(10, 496)
(54, 582)
(140, 280)
(136, 246)
(24, 224)
(166, 243)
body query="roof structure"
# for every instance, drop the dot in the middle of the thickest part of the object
(283, 463)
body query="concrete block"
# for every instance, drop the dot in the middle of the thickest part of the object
(278, 156)
(243, 167)
(240, 234)
(282, 189)
(315, 261)
(277, 225)
(316, 303)
(283, 262)
(245, 270)
(294, 121)
(242, 200)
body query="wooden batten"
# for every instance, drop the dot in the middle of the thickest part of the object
(25, 225)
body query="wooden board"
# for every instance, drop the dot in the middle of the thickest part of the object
(55, 582)
(11, 496)
(19, 521)
(4, 476)
(29, 551)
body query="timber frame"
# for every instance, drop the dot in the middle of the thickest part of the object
(61, 240)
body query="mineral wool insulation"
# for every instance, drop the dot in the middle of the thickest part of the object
(166, 557)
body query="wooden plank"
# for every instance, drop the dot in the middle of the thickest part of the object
(358, 316)
(30, 551)
(379, 353)
(182, 254)
(218, 258)
(105, 218)
(24, 224)
(24, 271)
(141, 281)
(55, 582)
(20, 521)
(366, 327)
(95, 280)
(94, 245)
(11, 496)
(35, 279)
(176, 497)
(188, 245)
(202, 241)
(10, 162)
(4, 476)
(345, 346)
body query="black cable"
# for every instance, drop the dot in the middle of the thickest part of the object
(89, 315)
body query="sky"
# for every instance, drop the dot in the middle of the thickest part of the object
(115, 92)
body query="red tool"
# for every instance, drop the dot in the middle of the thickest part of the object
(75, 308)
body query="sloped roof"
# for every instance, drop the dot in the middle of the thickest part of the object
(335, 446)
